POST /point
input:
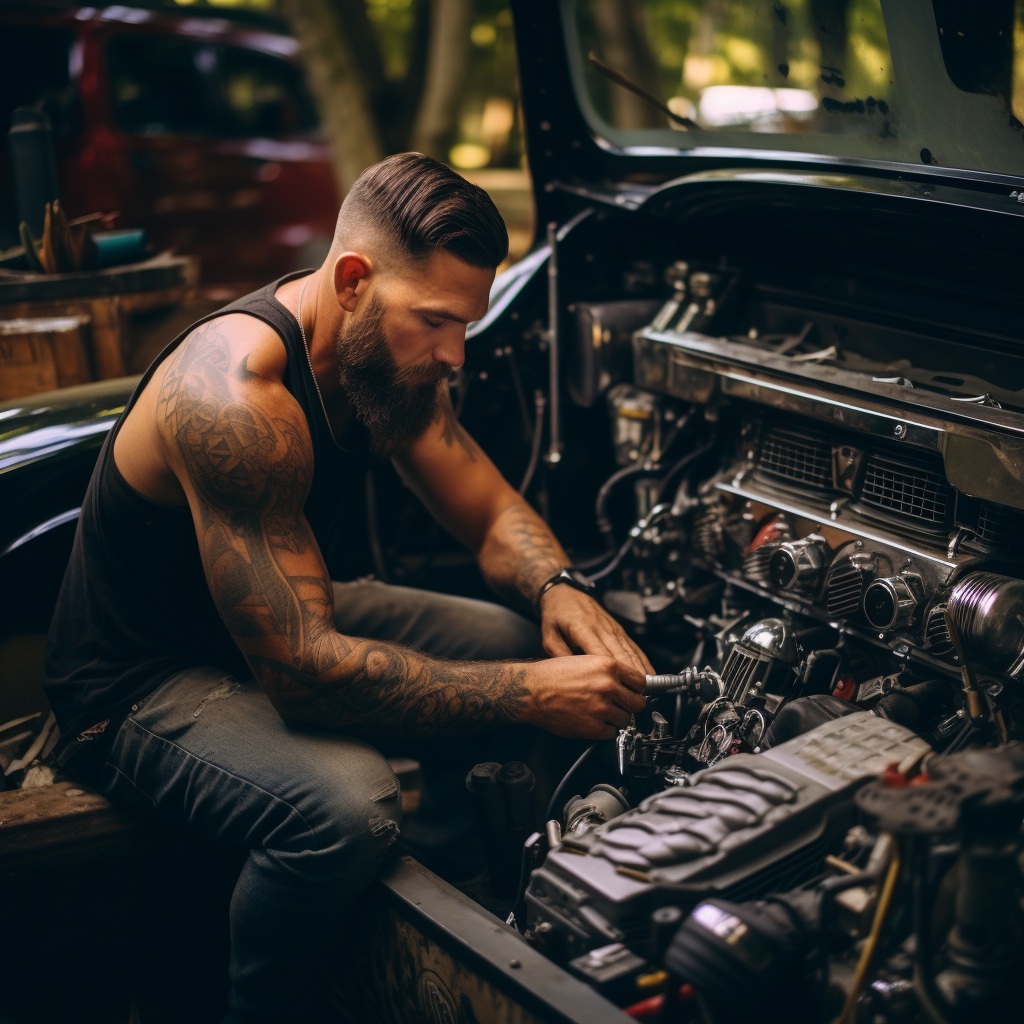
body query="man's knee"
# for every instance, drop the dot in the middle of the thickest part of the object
(348, 814)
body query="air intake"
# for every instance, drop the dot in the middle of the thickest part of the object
(740, 671)
(911, 488)
(755, 565)
(988, 613)
(999, 526)
(843, 589)
(750, 662)
(796, 456)
(936, 632)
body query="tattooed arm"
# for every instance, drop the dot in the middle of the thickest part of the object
(239, 445)
(515, 548)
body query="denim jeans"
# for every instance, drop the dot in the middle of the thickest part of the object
(317, 810)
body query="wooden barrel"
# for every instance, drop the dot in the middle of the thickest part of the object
(43, 353)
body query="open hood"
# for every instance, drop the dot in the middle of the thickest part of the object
(919, 90)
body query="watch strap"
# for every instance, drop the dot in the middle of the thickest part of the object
(569, 577)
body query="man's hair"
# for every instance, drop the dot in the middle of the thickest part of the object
(411, 205)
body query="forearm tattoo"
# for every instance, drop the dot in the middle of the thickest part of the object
(530, 555)
(251, 474)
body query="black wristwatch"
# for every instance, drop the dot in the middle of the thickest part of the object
(573, 577)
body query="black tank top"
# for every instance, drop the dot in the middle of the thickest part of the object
(135, 607)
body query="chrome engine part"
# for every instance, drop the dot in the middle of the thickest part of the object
(764, 648)
(857, 618)
(814, 535)
(986, 610)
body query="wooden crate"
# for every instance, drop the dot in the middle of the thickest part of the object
(43, 353)
(107, 298)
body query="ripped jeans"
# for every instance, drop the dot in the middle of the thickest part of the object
(317, 810)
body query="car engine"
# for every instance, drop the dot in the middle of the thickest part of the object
(815, 534)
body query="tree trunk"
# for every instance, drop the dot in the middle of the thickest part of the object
(337, 80)
(447, 57)
(620, 24)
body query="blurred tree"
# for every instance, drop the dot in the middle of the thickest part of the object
(434, 129)
(383, 88)
(621, 26)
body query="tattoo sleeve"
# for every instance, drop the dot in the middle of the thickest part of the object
(522, 553)
(250, 474)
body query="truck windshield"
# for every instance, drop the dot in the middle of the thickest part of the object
(920, 81)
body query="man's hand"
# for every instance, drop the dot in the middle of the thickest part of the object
(591, 697)
(515, 548)
(573, 622)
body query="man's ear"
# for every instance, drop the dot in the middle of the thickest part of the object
(352, 271)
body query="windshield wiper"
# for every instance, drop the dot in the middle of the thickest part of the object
(627, 83)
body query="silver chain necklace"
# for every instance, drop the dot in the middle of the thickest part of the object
(309, 359)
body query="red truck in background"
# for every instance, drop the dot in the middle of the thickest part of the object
(199, 129)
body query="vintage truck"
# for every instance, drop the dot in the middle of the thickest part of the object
(763, 371)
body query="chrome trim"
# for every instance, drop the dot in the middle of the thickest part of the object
(988, 612)
(982, 447)
(771, 638)
(904, 602)
(842, 520)
(51, 524)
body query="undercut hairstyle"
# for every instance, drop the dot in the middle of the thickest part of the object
(410, 205)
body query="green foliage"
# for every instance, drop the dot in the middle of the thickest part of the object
(394, 23)
(832, 48)
(489, 130)
(489, 114)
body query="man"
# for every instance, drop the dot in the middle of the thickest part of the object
(201, 661)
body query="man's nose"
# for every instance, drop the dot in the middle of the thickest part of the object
(452, 351)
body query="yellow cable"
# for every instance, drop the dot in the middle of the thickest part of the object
(848, 1016)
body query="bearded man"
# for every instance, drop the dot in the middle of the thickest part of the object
(202, 662)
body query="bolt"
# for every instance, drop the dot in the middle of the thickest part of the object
(900, 429)
(514, 964)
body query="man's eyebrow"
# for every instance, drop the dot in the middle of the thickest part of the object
(442, 314)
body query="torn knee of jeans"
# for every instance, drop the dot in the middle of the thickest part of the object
(389, 792)
(226, 689)
(384, 828)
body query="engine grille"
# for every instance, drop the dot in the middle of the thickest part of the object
(755, 565)
(906, 487)
(999, 526)
(843, 590)
(739, 672)
(796, 456)
(936, 632)
(709, 534)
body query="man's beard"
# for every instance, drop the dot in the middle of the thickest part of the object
(394, 405)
